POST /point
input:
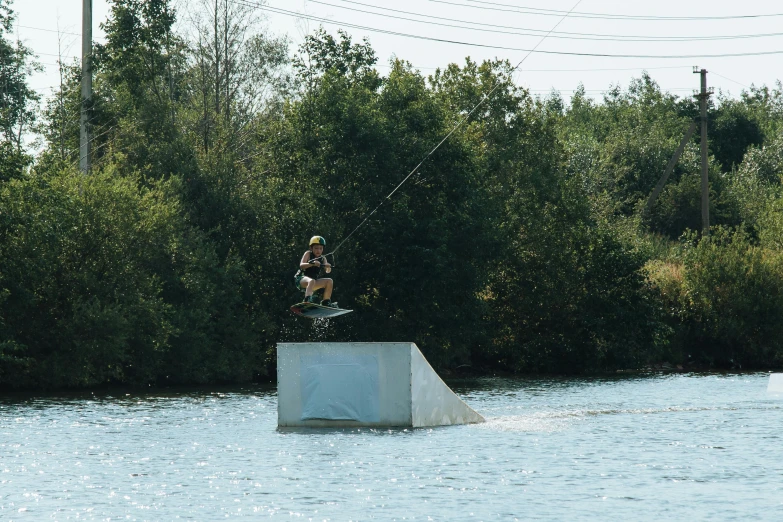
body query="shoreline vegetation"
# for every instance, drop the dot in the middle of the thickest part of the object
(453, 378)
(520, 247)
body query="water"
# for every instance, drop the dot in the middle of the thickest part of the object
(652, 448)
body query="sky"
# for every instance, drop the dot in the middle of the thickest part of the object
(434, 33)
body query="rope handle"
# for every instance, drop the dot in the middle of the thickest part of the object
(323, 256)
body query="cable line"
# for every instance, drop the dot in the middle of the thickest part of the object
(564, 70)
(293, 14)
(729, 79)
(601, 91)
(524, 31)
(47, 30)
(452, 131)
(605, 16)
(57, 55)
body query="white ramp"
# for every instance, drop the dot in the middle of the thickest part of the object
(363, 384)
(775, 383)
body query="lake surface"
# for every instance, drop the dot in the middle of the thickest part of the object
(674, 447)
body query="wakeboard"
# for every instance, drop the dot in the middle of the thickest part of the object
(316, 311)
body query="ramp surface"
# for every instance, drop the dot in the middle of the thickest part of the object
(363, 384)
(775, 383)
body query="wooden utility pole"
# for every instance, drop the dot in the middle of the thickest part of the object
(704, 96)
(84, 134)
(669, 168)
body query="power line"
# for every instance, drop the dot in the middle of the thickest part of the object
(47, 65)
(495, 6)
(591, 69)
(523, 31)
(591, 91)
(57, 55)
(599, 91)
(54, 31)
(285, 12)
(70, 151)
(47, 30)
(729, 79)
(453, 130)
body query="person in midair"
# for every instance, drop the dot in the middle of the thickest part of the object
(310, 267)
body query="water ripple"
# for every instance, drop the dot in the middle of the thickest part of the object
(641, 448)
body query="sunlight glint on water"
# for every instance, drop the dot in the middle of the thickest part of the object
(650, 448)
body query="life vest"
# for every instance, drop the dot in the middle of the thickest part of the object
(312, 271)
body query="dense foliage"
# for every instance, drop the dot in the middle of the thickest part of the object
(520, 245)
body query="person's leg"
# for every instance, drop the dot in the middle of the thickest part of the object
(313, 285)
(309, 285)
(317, 284)
(327, 300)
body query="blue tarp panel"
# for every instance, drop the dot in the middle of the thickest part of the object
(340, 387)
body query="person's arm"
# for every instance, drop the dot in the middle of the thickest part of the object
(327, 266)
(305, 263)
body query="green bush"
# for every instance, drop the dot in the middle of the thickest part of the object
(726, 299)
(104, 281)
(570, 297)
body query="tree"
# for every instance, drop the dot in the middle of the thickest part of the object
(321, 53)
(733, 129)
(236, 71)
(104, 280)
(61, 122)
(411, 267)
(732, 295)
(17, 100)
(140, 70)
